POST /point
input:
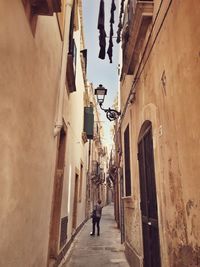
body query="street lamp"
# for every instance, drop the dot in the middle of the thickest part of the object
(101, 92)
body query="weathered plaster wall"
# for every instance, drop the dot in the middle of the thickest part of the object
(168, 95)
(76, 150)
(29, 73)
(179, 120)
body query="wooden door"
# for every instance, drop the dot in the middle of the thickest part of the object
(149, 212)
(57, 197)
(74, 219)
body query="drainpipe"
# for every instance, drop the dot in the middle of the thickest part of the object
(59, 120)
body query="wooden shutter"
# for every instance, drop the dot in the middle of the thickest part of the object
(88, 122)
(127, 162)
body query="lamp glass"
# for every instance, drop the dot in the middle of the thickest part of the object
(100, 92)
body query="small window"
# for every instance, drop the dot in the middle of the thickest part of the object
(127, 162)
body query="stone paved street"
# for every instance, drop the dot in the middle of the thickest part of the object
(98, 251)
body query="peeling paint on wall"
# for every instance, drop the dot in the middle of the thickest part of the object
(186, 256)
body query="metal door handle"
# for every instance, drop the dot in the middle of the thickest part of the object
(149, 223)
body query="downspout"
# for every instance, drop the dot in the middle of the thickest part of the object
(59, 119)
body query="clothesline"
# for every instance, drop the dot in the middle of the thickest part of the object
(112, 37)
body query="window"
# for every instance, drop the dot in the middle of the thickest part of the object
(127, 162)
(72, 54)
(84, 56)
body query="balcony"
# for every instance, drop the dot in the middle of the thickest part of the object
(45, 7)
(95, 167)
(139, 15)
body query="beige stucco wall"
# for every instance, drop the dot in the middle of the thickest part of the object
(173, 109)
(76, 150)
(29, 73)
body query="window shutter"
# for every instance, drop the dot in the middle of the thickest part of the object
(127, 162)
(84, 53)
(71, 31)
(71, 69)
(88, 122)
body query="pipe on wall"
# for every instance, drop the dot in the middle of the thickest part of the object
(59, 117)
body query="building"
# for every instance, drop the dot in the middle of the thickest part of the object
(159, 98)
(31, 51)
(69, 207)
(98, 160)
(44, 137)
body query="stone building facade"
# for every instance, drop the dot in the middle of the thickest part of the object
(31, 50)
(98, 160)
(45, 151)
(159, 93)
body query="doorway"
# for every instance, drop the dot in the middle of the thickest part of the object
(74, 218)
(57, 196)
(150, 228)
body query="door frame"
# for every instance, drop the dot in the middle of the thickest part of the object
(55, 219)
(148, 198)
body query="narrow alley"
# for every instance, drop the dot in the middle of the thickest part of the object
(99, 114)
(104, 250)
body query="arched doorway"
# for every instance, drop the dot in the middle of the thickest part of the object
(150, 230)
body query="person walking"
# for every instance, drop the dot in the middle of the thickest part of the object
(96, 217)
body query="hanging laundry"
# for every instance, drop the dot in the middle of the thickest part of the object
(102, 33)
(120, 22)
(110, 48)
(113, 8)
(112, 20)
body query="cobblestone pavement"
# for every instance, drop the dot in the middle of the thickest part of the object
(96, 251)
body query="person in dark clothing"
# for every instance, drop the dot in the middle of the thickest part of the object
(96, 217)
